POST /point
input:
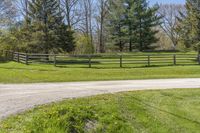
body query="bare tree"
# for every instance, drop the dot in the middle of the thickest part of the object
(170, 12)
(103, 7)
(7, 12)
(72, 12)
(86, 25)
(22, 6)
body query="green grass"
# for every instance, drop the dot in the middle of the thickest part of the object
(166, 111)
(12, 72)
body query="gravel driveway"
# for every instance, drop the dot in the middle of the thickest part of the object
(15, 98)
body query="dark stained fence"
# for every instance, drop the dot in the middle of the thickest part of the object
(104, 61)
(2, 56)
(6, 55)
(21, 57)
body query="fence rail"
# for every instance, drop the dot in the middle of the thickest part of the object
(134, 60)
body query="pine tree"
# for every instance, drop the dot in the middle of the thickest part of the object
(146, 21)
(189, 25)
(134, 23)
(115, 24)
(45, 20)
(130, 20)
(47, 29)
(66, 38)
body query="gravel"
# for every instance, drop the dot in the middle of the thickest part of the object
(16, 98)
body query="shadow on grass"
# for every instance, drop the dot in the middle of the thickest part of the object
(117, 67)
(3, 60)
(28, 69)
(94, 65)
(141, 102)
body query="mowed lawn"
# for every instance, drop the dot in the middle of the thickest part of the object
(12, 72)
(166, 111)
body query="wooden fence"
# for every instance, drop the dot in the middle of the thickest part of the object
(133, 60)
(5, 55)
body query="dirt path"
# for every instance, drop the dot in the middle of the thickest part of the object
(15, 98)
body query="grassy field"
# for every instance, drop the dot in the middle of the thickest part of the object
(166, 111)
(12, 72)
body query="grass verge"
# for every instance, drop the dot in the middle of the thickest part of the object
(12, 72)
(166, 111)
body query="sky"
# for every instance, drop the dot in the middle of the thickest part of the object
(167, 1)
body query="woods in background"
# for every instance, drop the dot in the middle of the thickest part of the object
(98, 26)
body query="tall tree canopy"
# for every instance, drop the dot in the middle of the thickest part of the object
(8, 12)
(44, 20)
(88, 26)
(138, 21)
(44, 29)
(189, 24)
(146, 21)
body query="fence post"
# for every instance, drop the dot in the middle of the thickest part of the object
(199, 59)
(55, 60)
(12, 55)
(2, 53)
(121, 61)
(174, 58)
(18, 57)
(149, 60)
(27, 59)
(6, 55)
(90, 63)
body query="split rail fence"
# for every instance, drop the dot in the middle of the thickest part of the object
(133, 60)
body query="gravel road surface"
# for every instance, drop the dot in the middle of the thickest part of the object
(16, 98)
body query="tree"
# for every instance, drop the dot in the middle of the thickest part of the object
(115, 24)
(23, 6)
(146, 21)
(135, 21)
(66, 39)
(72, 11)
(170, 12)
(8, 13)
(189, 24)
(45, 21)
(130, 20)
(103, 7)
(86, 25)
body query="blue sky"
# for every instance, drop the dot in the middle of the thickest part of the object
(167, 1)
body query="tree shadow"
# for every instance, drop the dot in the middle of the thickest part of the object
(29, 69)
(3, 60)
(95, 66)
(141, 102)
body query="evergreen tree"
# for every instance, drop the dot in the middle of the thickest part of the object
(134, 22)
(45, 20)
(189, 27)
(130, 20)
(47, 28)
(66, 39)
(146, 21)
(116, 24)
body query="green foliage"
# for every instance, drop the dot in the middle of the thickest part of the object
(83, 45)
(131, 112)
(15, 39)
(133, 22)
(44, 20)
(146, 22)
(116, 25)
(66, 39)
(189, 27)
(42, 31)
